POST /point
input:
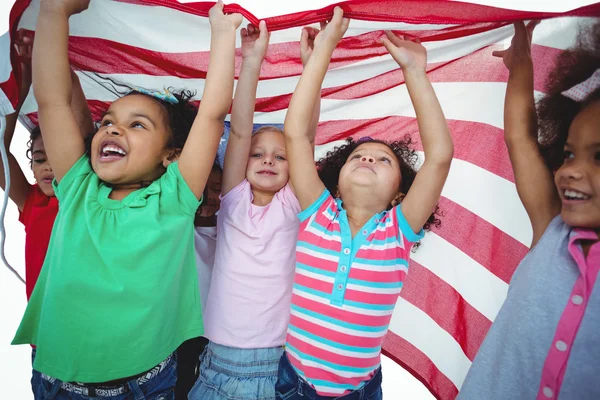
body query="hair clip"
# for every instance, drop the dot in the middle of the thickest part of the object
(165, 95)
(582, 90)
(365, 139)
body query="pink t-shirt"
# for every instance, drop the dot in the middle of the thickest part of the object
(248, 304)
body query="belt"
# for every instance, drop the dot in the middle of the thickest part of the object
(108, 389)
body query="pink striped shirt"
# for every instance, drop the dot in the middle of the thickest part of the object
(344, 293)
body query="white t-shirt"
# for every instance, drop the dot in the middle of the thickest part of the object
(205, 241)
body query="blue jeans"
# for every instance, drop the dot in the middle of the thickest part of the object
(35, 375)
(236, 374)
(159, 387)
(290, 386)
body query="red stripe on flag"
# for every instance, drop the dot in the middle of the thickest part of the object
(494, 249)
(419, 365)
(423, 11)
(446, 307)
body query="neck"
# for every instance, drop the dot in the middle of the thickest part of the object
(262, 198)
(359, 212)
(119, 192)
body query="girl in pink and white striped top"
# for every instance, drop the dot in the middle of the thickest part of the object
(352, 251)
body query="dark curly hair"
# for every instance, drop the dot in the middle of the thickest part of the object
(179, 117)
(35, 134)
(555, 111)
(330, 166)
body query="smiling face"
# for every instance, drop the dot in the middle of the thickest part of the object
(42, 171)
(267, 168)
(131, 145)
(578, 179)
(372, 166)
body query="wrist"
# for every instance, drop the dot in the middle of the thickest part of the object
(253, 62)
(414, 72)
(52, 9)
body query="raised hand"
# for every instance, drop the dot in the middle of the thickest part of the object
(255, 41)
(332, 31)
(519, 51)
(69, 7)
(24, 45)
(409, 54)
(220, 21)
(307, 42)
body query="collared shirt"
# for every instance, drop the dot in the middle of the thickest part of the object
(344, 293)
(545, 341)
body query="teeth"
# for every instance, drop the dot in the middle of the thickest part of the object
(113, 149)
(571, 194)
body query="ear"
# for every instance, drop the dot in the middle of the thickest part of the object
(171, 157)
(398, 199)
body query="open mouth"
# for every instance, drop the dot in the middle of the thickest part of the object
(110, 151)
(48, 179)
(267, 172)
(574, 195)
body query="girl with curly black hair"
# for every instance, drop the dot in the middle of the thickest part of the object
(353, 246)
(118, 292)
(544, 342)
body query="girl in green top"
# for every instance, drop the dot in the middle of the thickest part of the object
(118, 291)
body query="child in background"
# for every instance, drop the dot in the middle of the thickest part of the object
(117, 294)
(205, 241)
(544, 343)
(36, 203)
(352, 251)
(248, 304)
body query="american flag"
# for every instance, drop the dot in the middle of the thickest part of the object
(459, 277)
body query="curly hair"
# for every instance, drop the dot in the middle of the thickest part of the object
(35, 134)
(330, 166)
(179, 117)
(557, 112)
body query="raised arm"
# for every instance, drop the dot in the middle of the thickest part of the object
(299, 128)
(534, 180)
(198, 155)
(80, 108)
(52, 84)
(254, 47)
(307, 44)
(424, 194)
(19, 186)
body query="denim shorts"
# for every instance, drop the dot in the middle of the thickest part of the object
(155, 384)
(228, 373)
(290, 386)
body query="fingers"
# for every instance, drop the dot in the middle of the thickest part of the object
(499, 53)
(264, 34)
(388, 44)
(393, 39)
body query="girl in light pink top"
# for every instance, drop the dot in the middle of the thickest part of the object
(247, 310)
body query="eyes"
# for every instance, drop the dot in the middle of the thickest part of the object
(135, 124)
(569, 155)
(277, 156)
(39, 160)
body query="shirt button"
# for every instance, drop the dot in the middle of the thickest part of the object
(343, 268)
(376, 220)
(561, 346)
(340, 286)
(548, 393)
(577, 299)
(365, 232)
(346, 251)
